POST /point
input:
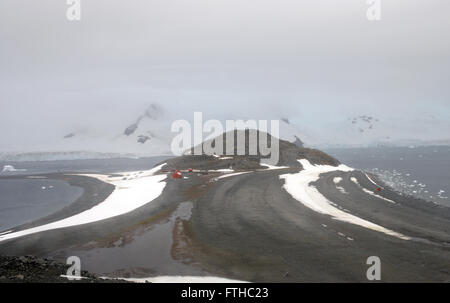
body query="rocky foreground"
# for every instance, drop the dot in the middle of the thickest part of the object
(29, 269)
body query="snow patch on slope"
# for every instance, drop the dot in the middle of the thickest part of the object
(298, 186)
(232, 175)
(354, 180)
(338, 180)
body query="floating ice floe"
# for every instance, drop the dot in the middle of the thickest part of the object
(414, 187)
(127, 196)
(10, 168)
(298, 185)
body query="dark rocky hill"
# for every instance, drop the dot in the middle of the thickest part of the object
(289, 154)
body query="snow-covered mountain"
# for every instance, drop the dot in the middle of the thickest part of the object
(148, 134)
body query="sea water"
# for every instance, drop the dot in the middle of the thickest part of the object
(423, 172)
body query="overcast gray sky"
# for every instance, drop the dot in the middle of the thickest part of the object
(316, 62)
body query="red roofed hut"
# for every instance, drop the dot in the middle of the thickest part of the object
(177, 175)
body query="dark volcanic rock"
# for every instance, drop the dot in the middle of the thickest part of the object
(286, 120)
(142, 139)
(130, 129)
(153, 112)
(69, 136)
